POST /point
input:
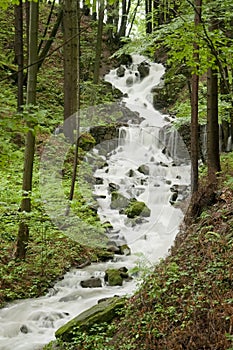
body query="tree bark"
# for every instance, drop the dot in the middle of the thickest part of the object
(194, 107)
(148, 13)
(99, 43)
(213, 158)
(70, 23)
(23, 232)
(77, 136)
(18, 9)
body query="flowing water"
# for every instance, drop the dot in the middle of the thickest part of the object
(29, 324)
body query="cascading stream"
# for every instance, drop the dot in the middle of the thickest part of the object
(29, 324)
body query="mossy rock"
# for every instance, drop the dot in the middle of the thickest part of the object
(118, 200)
(103, 312)
(113, 277)
(86, 142)
(136, 208)
(125, 249)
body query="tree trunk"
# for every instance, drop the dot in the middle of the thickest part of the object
(148, 13)
(77, 136)
(23, 233)
(194, 107)
(99, 43)
(70, 23)
(124, 18)
(52, 36)
(213, 158)
(18, 9)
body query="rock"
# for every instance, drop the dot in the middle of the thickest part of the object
(129, 81)
(104, 255)
(125, 250)
(118, 201)
(99, 181)
(144, 69)
(86, 141)
(173, 197)
(131, 173)
(113, 187)
(137, 209)
(168, 182)
(163, 164)
(97, 314)
(107, 225)
(24, 329)
(92, 282)
(120, 71)
(113, 249)
(144, 169)
(126, 59)
(124, 272)
(113, 277)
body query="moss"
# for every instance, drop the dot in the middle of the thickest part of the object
(113, 277)
(86, 141)
(137, 209)
(118, 201)
(97, 314)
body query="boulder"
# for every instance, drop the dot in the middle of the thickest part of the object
(92, 282)
(86, 142)
(124, 249)
(113, 187)
(144, 169)
(144, 69)
(136, 208)
(120, 71)
(103, 312)
(99, 181)
(118, 201)
(113, 277)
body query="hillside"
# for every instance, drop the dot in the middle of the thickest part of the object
(187, 301)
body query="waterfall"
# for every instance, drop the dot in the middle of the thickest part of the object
(142, 169)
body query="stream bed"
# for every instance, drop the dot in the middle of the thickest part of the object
(141, 168)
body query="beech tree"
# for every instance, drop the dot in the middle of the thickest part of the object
(194, 103)
(18, 10)
(23, 232)
(70, 52)
(98, 49)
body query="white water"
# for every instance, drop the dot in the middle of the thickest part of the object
(138, 145)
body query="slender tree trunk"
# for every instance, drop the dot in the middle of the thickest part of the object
(19, 52)
(70, 23)
(156, 15)
(133, 18)
(194, 106)
(99, 43)
(52, 36)
(77, 136)
(124, 18)
(46, 26)
(148, 12)
(213, 158)
(23, 233)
